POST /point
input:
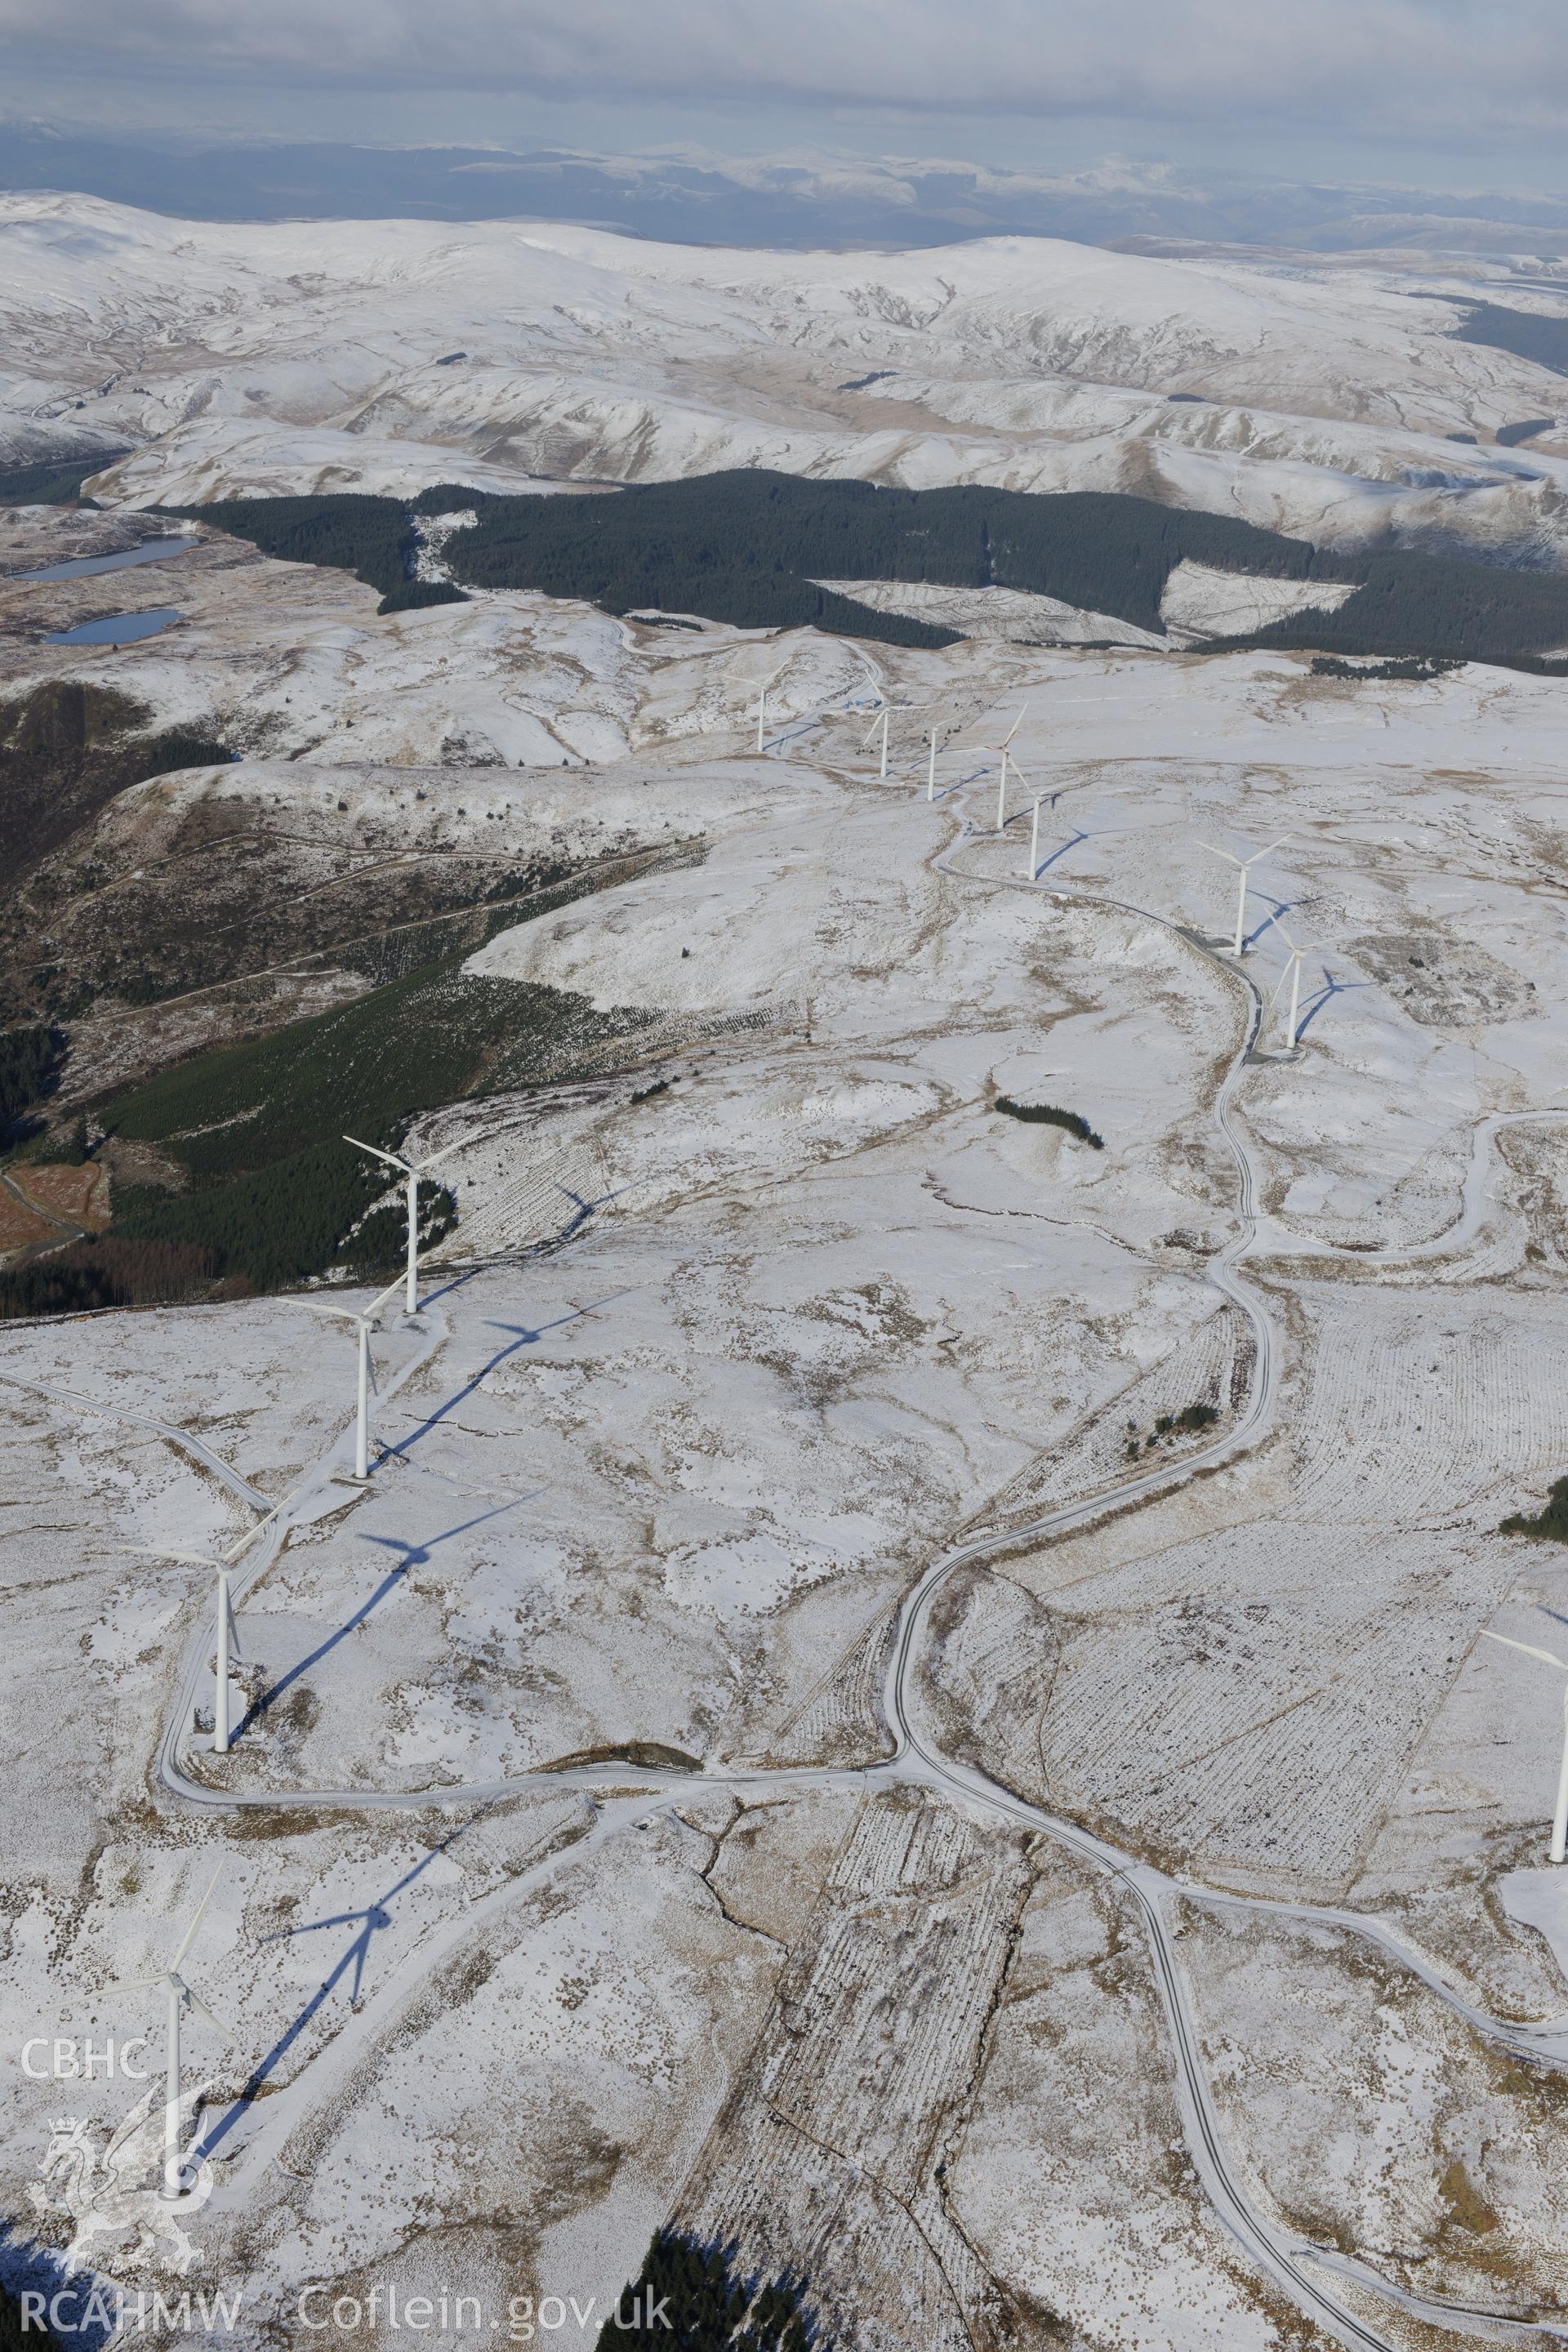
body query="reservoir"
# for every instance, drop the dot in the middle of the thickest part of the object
(81, 567)
(117, 628)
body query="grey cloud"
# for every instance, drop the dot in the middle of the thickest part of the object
(1409, 65)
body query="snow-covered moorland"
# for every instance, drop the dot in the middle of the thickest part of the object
(1332, 399)
(791, 1693)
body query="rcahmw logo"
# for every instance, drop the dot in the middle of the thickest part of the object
(70, 2311)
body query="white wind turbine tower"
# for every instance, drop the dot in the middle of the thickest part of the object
(1560, 1818)
(411, 1170)
(1002, 777)
(222, 1563)
(1034, 819)
(930, 767)
(1244, 866)
(1292, 972)
(181, 1996)
(762, 699)
(882, 723)
(363, 1324)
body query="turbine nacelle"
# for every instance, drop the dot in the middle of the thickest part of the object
(221, 1565)
(362, 1325)
(1292, 973)
(882, 719)
(411, 1172)
(171, 1982)
(763, 698)
(1244, 866)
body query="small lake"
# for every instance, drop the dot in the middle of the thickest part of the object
(82, 567)
(118, 629)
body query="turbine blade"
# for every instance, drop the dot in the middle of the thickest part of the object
(126, 1984)
(1269, 851)
(1014, 727)
(162, 1551)
(376, 1152)
(195, 1923)
(483, 1135)
(339, 1314)
(1219, 852)
(226, 1558)
(199, 2005)
(434, 1159)
(1528, 1647)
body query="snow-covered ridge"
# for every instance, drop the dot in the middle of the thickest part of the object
(1011, 615)
(253, 358)
(1199, 601)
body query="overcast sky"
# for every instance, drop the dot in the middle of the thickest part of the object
(1455, 92)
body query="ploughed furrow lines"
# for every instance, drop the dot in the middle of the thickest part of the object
(1248, 1700)
(839, 1720)
(1418, 1405)
(1265, 1732)
(826, 2155)
(1210, 1367)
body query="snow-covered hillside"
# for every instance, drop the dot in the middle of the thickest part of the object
(799, 1702)
(1317, 398)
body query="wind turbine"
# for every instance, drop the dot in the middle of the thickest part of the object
(411, 1170)
(1035, 822)
(1292, 972)
(763, 698)
(1002, 777)
(222, 1563)
(181, 1996)
(364, 1324)
(1560, 1818)
(930, 768)
(880, 720)
(1244, 866)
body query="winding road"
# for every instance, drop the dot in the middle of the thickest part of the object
(1307, 2275)
(170, 1430)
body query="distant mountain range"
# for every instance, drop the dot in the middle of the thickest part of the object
(801, 198)
(1360, 404)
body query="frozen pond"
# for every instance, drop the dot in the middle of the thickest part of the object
(117, 628)
(80, 567)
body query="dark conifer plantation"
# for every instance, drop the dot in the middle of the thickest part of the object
(30, 1061)
(1549, 1526)
(753, 548)
(689, 2297)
